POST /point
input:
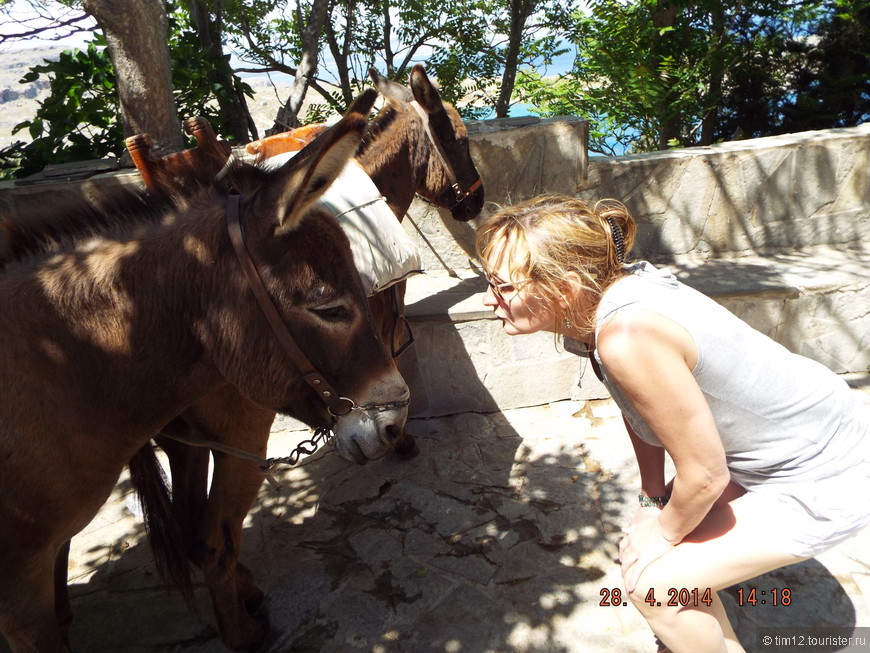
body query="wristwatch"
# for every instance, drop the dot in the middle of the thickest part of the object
(652, 502)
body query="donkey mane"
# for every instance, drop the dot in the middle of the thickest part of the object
(244, 177)
(377, 126)
(35, 231)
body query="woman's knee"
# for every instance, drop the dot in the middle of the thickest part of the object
(646, 592)
(657, 590)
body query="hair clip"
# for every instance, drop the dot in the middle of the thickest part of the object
(618, 240)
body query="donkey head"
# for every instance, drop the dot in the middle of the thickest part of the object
(452, 181)
(304, 261)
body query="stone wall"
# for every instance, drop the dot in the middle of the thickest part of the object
(769, 194)
(786, 192)
(776, 229)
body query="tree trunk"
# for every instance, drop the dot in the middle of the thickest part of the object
(669, 119)
(136, 32)
(209, 31)
(717, 75)
(520, 12)
(288, 115)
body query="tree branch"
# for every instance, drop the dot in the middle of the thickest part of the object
(39, 32)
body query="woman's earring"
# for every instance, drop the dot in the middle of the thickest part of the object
(567, 323)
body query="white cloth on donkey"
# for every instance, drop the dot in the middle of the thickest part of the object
(382, 251)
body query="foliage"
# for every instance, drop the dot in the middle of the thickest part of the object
(652, 74)
(465, 79)
(813, 75)
(363, 33)
(832, 89)
(641, 66)
(647, 74)
(80, 118)
(196, 94)
(460, 42)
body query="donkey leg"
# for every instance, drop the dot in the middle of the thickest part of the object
(28, 618)
(227, 417)
(63, 609)
(234, 594)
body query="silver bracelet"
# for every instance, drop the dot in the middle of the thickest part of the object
(652, 502)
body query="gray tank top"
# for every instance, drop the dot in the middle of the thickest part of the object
(782, 417)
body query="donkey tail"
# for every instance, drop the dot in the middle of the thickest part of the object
(165, 534)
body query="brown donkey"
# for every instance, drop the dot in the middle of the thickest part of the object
(416, 144)
(104, 342)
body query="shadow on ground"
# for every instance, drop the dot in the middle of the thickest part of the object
(501, 536)
(480, 543)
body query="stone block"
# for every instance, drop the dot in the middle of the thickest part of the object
(813, 302)
(474, 366)
(791, 191)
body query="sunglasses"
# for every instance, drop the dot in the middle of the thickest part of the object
(509, 288)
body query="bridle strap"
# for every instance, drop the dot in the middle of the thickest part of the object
(442, 155)
(309, 373)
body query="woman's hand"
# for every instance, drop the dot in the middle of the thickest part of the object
(642, 544)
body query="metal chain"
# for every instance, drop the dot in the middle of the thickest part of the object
(322, 436)
(380, 408)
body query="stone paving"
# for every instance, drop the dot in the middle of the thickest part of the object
(501, 536)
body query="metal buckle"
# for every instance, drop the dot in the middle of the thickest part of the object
(335, 412)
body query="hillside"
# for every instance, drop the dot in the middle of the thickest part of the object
(19, 102)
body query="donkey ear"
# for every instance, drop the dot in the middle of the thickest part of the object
(304, 178)
(424, 92)
(390, 89)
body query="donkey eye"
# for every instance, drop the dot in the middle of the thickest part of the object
(338, 313)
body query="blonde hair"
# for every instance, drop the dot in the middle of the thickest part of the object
(547, 237)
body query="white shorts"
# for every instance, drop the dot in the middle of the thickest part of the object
(812, 517)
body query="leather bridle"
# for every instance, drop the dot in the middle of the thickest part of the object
(459, 195)
(336, 405)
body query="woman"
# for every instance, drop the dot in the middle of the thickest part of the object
(771, 449)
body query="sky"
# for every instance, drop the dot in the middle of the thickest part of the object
(23, 10)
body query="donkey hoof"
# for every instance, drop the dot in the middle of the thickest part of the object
(406, 447)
